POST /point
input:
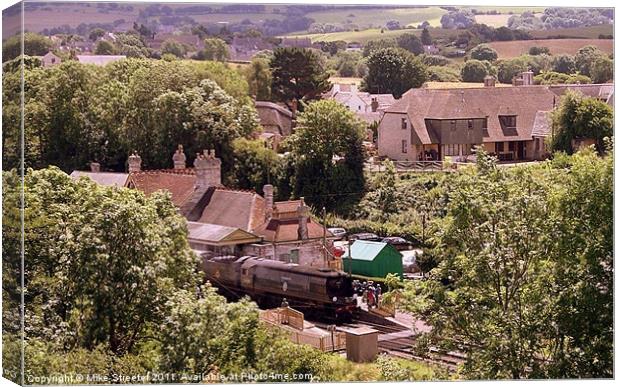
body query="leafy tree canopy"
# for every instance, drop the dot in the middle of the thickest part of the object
(394, 71)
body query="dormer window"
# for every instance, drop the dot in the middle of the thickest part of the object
(508, 121)
(403, 123)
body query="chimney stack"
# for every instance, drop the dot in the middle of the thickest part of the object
(134, 162)
(179, 158)
(268, 192)
(95, 167)
(489, 81)
(528, 78)
(353, 87)
(302, 213)
(374, 105)
(208, 169)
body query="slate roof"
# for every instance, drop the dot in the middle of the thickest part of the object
(215, 233)
(491, 102)
(99, 60)
(110, 179)
(179, 182)
(602, 90)
(287, 230)
(226, 207)
(542, 124)
(365, 250)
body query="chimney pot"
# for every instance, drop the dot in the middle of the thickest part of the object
(208, 169)
(134, 162)
(268, 192)
(95, 167)
(179, 158)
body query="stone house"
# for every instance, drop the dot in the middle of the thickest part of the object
(226, 221)
(50, 59)
(368, 107)
(276, 121)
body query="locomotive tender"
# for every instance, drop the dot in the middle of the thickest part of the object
(268, 282)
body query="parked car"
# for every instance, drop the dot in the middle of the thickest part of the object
(365, 236)
(410, 264)
(398, 242)
(338, 232)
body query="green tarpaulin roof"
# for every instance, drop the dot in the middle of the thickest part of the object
(365, 250)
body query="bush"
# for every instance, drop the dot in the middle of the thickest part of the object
(435, 60)
(564, 64)
(474, 71)
(555, 78)
(602, 70)
(444, 74)
(483, 52)
(537, 50)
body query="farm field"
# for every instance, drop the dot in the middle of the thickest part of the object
(496, 21)
(504, 10)
(373, 17)
(556, 46)
(591, 32)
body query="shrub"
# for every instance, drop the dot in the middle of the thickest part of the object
(444, 74)
(483, 52)
(474, 71)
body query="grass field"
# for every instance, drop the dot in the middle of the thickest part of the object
(500, 20)
(556, 46)
(372, 17)
(591, 32)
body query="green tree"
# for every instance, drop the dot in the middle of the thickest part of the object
(473, 71)
(411, 43)
(386, 189)
(378, 44)
(426, 37)
(297, 75)
(585, 59)
(96, 33)
(564, 64)
(173, 47)
(578, 117)
(104, 48)
(215, 49)
(538, 50)
(553, 78)
(504, 289)
(394, 71)
(602, 70)
(483, 52)
(328, 156)
(258, 76)
(34, 45)
(254, 164)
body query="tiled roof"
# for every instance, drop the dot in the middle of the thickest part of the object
(287, 207)
(542, 124)
(111, 179)
(491, 102)
(602, 90)
(214, 233)
(225, 207)
(180, 183)
(287, 230)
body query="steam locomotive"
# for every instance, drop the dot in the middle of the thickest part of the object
(314, 291)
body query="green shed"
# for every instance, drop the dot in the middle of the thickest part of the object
(373, 259)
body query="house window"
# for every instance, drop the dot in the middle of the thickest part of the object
(470, 124)
(499, 147)
(512, 146)
(537, 144)
(450, 149)
(294, 256)
(404, 146)
(509, 121)
(466, 148)
(359, 107)
(403, 123)
(453, 125)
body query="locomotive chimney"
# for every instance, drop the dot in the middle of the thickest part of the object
(268, 192)
(302, 213)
